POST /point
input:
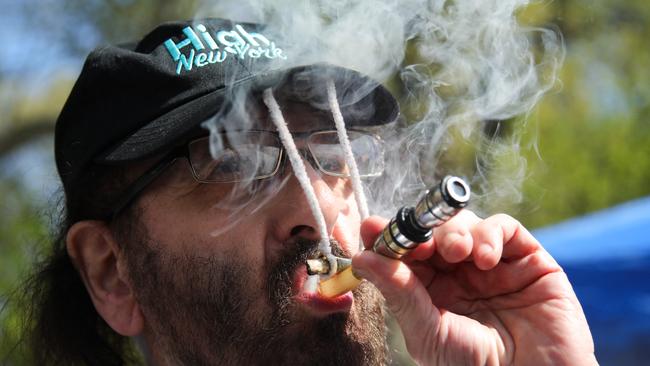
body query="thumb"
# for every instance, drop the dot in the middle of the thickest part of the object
(406, 298)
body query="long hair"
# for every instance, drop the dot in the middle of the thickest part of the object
(60, 324)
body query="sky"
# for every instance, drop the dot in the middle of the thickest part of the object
(32, 47)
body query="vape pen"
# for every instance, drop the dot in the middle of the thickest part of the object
(410, 227)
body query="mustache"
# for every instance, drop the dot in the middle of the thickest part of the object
(300, 249)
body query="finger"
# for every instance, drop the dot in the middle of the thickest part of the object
(515, 240)
(488, 236)
(406, 297)
(453, 240)
(505, 278)
(371, 228)
(422, 252)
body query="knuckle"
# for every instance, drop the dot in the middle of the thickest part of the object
(404, 302)
(467, 217)
(497, 223)
(504, 219)
(485, 229)
(456, 248)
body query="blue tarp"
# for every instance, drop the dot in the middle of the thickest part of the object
(607, 258)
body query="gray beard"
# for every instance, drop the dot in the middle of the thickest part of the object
(208, 311)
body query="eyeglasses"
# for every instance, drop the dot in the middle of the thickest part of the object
(252, 155)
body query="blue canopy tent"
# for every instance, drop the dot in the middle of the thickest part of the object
(607, 258)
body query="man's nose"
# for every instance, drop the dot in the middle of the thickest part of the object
(331, 195)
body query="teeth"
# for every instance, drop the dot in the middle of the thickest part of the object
(311, 284)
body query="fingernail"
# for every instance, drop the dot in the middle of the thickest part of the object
(356, 270)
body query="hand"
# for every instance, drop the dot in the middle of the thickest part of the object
(480, 292)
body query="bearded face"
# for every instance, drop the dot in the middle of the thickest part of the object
(218, 269)
(210, 309)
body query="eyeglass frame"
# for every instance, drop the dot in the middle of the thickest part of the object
(138, 186)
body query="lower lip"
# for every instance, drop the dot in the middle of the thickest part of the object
(316, 302)
(326, 305)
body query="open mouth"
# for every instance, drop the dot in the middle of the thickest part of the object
(313, 301)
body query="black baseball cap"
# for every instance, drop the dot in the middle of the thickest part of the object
(135, 100)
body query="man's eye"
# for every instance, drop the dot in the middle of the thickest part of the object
(235, 163)
(332, 163)
(228, 164)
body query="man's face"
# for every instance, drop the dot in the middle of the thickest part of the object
(218, 269)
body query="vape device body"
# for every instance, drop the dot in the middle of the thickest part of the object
(410, 227)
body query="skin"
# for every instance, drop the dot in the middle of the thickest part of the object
(480, 292)
(218, 224)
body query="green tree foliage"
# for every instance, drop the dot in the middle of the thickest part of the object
(590, 139)
(22, 231)
(587, 145)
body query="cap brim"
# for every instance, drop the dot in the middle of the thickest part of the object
(305, 83)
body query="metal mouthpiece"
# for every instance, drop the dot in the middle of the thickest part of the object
(442, 203)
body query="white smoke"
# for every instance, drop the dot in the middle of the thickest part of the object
(455, 65)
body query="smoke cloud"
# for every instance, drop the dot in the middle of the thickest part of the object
(463, 70)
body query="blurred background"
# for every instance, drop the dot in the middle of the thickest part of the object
(587, 148)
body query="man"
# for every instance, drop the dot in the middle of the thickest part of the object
(190, 237)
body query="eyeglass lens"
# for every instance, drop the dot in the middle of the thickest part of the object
(239, 156)
(328, 153)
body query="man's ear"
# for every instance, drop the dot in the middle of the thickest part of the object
(93, 249)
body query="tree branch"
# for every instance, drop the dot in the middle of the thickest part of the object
(23, 133)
